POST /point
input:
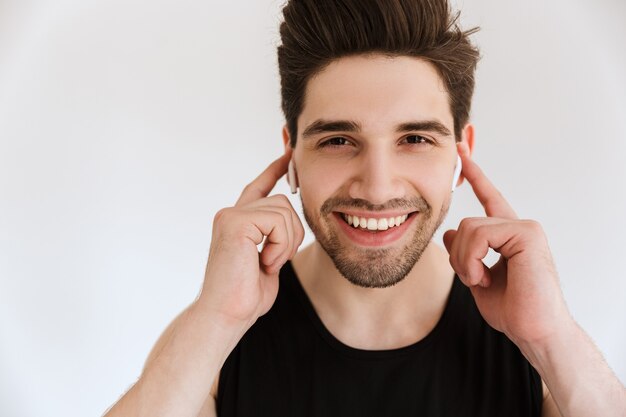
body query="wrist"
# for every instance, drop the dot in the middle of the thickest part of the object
(543, 351)
(205, 311)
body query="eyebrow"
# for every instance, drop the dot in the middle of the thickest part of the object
(326, 126)
(425, 125)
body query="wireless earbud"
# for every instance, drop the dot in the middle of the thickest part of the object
(457, 172)
(291, 177)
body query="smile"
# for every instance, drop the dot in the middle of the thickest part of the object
(373, 224)
(374, 229)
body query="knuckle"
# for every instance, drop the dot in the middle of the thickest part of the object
(533, 224)
(468, 223)
(283, 201)
(230, 224)
(282, 198)
(221, 215)
(481, 231)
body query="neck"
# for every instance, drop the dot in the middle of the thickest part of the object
(376, 318)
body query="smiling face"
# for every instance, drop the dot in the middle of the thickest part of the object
(375, 157)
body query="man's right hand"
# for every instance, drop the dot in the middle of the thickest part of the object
(241, 283)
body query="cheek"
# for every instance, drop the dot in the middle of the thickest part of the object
(315, 187)
(429, 177)
(321, 181)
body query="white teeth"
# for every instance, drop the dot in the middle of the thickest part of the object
(374, 224)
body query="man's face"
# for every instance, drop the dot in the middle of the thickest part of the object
(375, 143)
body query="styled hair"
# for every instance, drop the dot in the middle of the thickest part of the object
(316, 32)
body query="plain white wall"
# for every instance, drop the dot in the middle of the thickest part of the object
(125, 125)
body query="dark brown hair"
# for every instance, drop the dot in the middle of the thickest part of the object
(316, 32)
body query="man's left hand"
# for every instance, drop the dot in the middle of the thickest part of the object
(520, 294)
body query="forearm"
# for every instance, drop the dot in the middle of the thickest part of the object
(178, 380)
(579, 379)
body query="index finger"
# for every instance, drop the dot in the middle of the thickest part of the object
(490, 198)
(265, 182)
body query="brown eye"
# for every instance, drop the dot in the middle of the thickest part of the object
(416, 139)
(336, 141)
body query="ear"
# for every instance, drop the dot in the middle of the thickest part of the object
(286, 139)
(467, 138)
(291, 173)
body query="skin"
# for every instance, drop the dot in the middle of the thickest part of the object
(519, 296)
(377, 165)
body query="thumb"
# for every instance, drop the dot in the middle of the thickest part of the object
(448, 238)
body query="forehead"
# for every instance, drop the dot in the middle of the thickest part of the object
(376, 91)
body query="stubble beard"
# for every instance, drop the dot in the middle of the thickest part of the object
(375, 267)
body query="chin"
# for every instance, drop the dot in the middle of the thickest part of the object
(375, 267)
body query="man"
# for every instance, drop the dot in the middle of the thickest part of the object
(373, 318)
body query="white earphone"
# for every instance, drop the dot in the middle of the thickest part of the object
(291, 177)
(457, 172)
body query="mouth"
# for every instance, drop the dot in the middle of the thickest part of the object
(374, 224)
(374, 229)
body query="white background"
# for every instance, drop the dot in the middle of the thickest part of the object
(125, 125)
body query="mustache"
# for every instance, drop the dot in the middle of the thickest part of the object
(413, 204)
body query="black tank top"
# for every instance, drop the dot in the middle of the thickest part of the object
(289, 364)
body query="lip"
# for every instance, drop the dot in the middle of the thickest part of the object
(380, 238)
(377, 215)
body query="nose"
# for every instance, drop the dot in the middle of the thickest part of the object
(376, 180)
